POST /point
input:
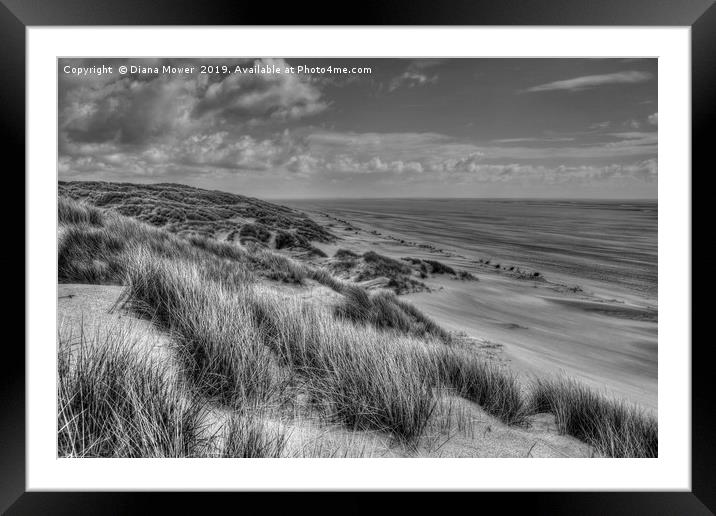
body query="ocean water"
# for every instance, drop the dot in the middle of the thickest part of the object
(607, 243)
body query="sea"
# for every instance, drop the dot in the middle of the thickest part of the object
(612, 243)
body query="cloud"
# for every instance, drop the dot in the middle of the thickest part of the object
(153, 124)
(411, 79)
(592, 81)
(304, 164)
(374, 140)
(279, 96)
(344, 164)
(547, 139)
(633, 140)
(426, 158)
(653, 119)
(431, 147)
(644, 171)
(140, 109)
(205, 153)
(415, 74)
(234, 126)
(333, 155)
(127, 110)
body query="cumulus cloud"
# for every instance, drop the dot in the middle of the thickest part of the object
(304, 164)
(653, 119)
(152, 123)
(344, 164)
(127, 110)
(137, 110)
(277, 95)
(202, 153)
(592, 81)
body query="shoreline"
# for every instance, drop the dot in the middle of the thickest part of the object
(604, 338)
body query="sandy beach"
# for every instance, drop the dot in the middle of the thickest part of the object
(603, 333)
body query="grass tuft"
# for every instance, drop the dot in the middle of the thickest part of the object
(72, 212)
(379, 265)
(613, 428)
(245, 435)
(89, 254)
(116, 402)
(496, 391)
(384, 310)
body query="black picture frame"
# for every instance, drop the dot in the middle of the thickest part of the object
(17, 15)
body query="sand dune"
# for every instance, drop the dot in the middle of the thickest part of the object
(96, 309)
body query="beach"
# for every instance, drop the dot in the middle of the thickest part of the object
(592, 313)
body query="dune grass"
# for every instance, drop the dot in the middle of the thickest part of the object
(221, 351)
(498, 392)
(371, 265)
(113, 401)
(360, 376)
(345, 254)
(71, 212)
(233, 334)
(613, 428)
(189, 211)
(256, 232)
(246, 435)
(385, 310)
(385, 265)
(89, 254)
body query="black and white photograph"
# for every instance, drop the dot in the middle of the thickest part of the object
(280, 257)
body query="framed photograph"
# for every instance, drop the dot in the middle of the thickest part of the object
(439, 249)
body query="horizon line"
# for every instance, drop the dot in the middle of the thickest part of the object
(337, 198)
(439, 198)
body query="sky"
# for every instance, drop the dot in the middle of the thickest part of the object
(295, 128)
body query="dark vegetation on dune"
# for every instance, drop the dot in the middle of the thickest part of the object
(427, 267)
(395, 274)
(252, 232)
(190, 211)
(368, 361)
(401, 276)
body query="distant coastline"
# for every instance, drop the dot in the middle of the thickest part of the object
(609, 243)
